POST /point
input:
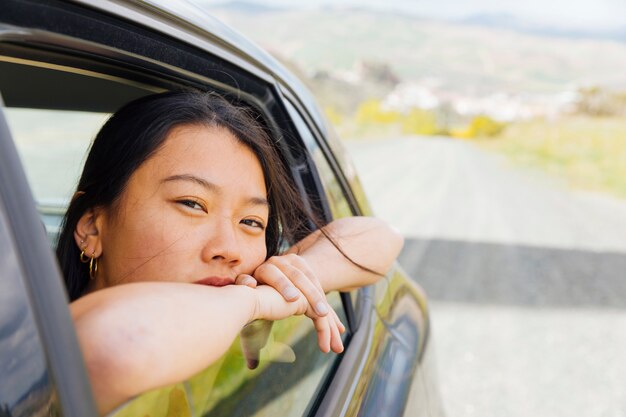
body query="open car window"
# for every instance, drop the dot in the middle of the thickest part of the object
(52, 152)
(52, 126)
(52, 129)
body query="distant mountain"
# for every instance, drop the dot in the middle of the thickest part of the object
(481, 55)
(510, 22)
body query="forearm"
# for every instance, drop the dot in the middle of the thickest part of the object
(142, 336)
(368, 241)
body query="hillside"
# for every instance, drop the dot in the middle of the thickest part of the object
(460, 57)
(547, 99)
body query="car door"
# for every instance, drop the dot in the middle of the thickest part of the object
(389, 363)
(41, 372)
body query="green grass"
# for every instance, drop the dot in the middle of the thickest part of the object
(589, 152)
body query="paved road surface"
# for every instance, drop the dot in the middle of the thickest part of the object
(527, 279)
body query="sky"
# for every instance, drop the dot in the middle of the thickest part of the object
(592, 15)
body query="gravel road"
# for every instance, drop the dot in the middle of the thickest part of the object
(526, 279)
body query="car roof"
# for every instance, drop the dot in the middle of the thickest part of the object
(192, 14)
(185, 20)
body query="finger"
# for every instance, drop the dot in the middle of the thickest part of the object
(247, 280)
(313, 278)
(297, 271)
(340, 325)
(329, 329)
(313, 294)
(336, 344)
(303, 266)
(323, 333)
(271, 275)
(271, 305)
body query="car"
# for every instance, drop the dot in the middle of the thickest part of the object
(64, 67)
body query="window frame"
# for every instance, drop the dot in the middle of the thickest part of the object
(319, 185)
(361, 317)
(42, 280)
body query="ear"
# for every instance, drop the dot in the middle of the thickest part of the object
(88, 232)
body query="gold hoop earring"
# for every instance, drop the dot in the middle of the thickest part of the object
(93, 267)
(84, 259)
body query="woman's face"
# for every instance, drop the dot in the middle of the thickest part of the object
(196, 212)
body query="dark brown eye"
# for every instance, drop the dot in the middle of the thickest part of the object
(253, 223)
(192, 204)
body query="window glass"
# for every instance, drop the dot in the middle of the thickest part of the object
(53, 113)
(349, 171)
(339, 206)
(337, 201)
(289, 376)
(26, 387)
(52, 145)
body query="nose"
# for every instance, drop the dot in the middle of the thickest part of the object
(222, 244)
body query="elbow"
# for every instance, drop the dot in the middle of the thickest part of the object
(389, 244)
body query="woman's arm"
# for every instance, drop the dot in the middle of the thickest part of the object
(365, 249)
(368, 241)
(361, 251)
(141, 336)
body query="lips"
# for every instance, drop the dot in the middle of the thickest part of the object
(215, 281)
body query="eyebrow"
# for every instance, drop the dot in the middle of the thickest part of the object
(256, 201)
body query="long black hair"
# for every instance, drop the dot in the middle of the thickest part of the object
(137, 131)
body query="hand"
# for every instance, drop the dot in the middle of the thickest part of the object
(270, 305)
(293, 278)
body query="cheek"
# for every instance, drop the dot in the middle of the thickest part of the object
(142, 250)
(255, 256)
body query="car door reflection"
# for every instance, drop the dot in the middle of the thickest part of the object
(25, 388)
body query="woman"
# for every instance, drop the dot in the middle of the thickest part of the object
(181, 189)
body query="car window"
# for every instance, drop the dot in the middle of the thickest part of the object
(52, 151)
(52, 141)
(337, 201)
(53, 148)
(26, 387)
(338, 204)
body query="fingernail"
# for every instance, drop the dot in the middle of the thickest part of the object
(290, 293)
(321, 308)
